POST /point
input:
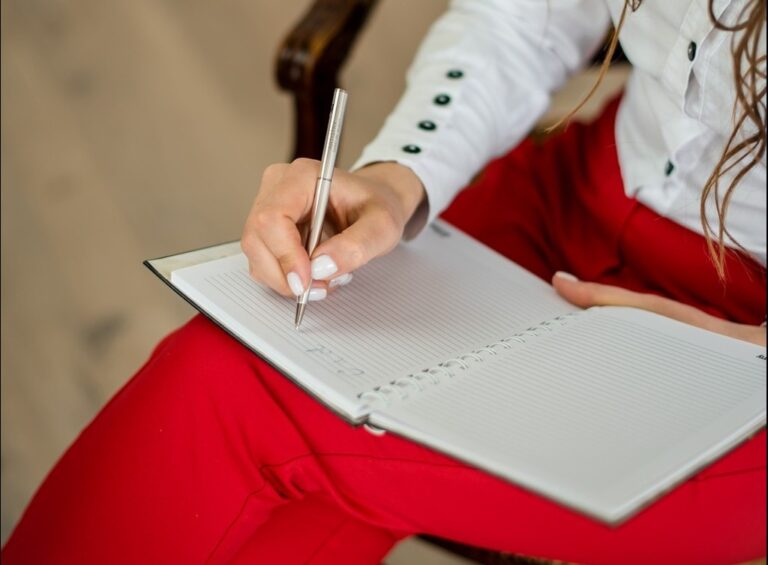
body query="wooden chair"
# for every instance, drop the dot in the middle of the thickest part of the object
(307, 66)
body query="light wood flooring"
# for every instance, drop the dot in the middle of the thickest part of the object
(133, 129)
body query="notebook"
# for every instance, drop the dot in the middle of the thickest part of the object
(452, 345)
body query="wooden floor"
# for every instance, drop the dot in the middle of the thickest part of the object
(132, 129)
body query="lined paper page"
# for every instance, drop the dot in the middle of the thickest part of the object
(602, 414)
(440, 296)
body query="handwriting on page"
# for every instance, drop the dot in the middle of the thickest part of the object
(343, 367)
(270, 310)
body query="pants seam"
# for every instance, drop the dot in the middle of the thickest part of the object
(304, 456)
(233, 522)
(365, 456)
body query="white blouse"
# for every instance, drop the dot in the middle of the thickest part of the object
(486, 71)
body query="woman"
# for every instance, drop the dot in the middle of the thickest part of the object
(209, 454)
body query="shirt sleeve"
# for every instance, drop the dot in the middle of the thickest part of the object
(481, 79)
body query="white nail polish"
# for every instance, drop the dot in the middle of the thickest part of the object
(566, 276)
(294, 281)
(323, 267)
(317, 293)
(341, 280)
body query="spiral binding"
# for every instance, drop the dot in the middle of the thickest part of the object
(401, 387)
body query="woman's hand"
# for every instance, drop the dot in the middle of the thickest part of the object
(367, 210)
(586, 294)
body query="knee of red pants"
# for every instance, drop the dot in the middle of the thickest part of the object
(200, 362)
(163, 468)
(208, 374)
(270, 426)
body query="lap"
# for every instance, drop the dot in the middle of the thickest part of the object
(398, 485)
(201, 448)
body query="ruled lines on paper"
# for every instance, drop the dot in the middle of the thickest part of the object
(407, 311)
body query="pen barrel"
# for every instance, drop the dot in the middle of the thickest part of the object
(333, 133)
(319, 206)
(323, 186)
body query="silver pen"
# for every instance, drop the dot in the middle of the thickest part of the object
(323, 189)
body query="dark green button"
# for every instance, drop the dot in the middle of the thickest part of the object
(454, 73)
(427, 125)
(442, 99)
(411, 148)
(668, 168)
(691, 50)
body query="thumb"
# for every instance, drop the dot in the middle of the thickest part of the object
(374, 234)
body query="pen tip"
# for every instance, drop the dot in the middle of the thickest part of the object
(300, 306)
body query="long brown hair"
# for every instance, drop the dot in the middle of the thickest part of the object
(748, 69)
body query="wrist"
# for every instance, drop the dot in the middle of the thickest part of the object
(401, 180)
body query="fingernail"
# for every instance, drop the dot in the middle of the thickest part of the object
(294, 281)
(341, 280)
(323, 267)
(317, 293)
(566, 276)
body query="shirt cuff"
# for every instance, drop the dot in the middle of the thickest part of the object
(435, 200)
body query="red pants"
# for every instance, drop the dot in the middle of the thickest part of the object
(209, 454)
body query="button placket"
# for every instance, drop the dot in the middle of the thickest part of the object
(677, 70)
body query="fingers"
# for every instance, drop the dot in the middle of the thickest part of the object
(368, 210)
(271, 238)
(586, 294)
(375, 233)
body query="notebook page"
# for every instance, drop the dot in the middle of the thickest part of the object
(441, 295)
(602, 414)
